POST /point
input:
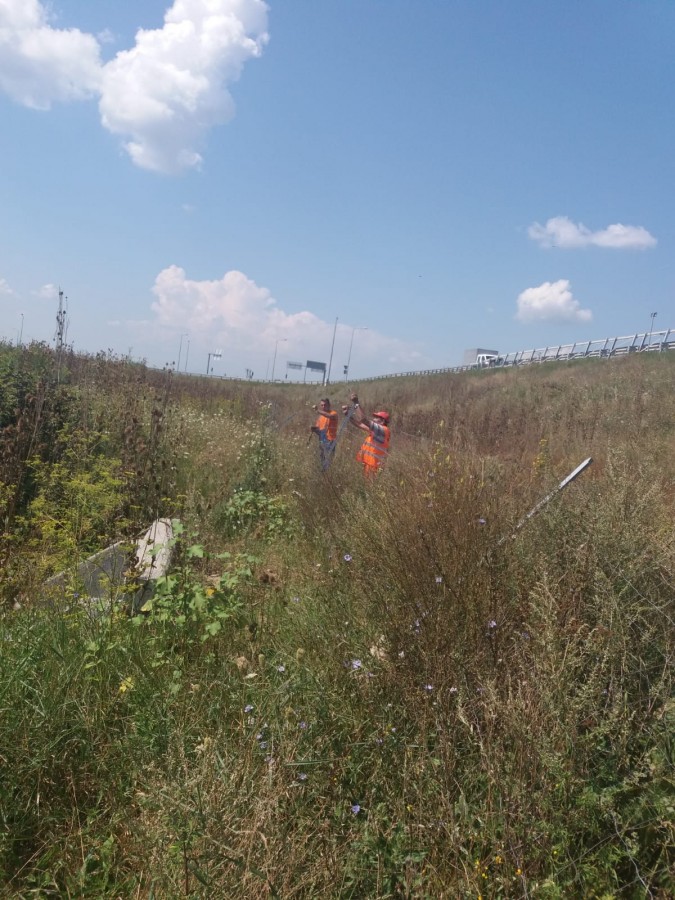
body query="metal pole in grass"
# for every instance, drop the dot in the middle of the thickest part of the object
(542, 503)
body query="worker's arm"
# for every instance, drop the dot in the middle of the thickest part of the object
(358, 419)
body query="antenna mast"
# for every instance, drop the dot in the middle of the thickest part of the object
(60, 324)
(60, 337)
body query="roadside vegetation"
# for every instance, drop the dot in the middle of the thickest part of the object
(341, 689)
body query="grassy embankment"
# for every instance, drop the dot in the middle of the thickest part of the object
(342, 690)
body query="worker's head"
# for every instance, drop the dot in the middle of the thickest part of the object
(382, 416)
(324, 403)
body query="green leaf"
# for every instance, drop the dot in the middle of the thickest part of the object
(195, 550)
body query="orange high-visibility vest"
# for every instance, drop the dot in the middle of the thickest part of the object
(374, 452)
(328, 424)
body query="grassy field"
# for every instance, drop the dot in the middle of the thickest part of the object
(343, 688)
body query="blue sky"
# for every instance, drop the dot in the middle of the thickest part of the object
(233, 175)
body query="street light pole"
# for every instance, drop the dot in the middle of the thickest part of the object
(651, 327)
(330, 361)
(187, 353)
(351, 344)
(274, 361)
(21, 331)
(180, 348)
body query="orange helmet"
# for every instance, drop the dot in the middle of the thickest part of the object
(382, 415)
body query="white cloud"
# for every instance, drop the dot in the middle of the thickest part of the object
(40, 64)
(47, 292)
(162, 96)
(171, 87)
(563, 233)
(236, 314)
(5, 288)
(551, 302)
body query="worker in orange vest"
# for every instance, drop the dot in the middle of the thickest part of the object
(326, 427)
(373, 452)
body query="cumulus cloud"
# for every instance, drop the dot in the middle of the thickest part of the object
(5, 289)
(561, 232)
(161, 96)
(235, 313)
(172, 86)
(551, 302)
(47, 292)
(40, 64)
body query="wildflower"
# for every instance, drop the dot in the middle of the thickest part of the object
(302, 725)
(356, 664)
(482, 521)
(259, 736)
(347, 557)
(453, 690)
(428, 688)
(519, 871)
(439, 579)
(126, 685)
(281, 668)
(356, 809)
(302, 776)
(248, 708)
(263, 745)
(492, 624)
(498, 859)
(295, 599)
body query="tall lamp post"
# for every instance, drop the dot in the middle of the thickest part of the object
(351, 344)
(180, 348)
(651, 327)
(330, 361)
(187, 353)
(21, 331)
(215, 354)
(274, 361)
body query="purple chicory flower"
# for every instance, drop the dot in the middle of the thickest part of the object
(428, 688)
(302, 725)
(248, 708)
(302, 776)
(347, 557)
(453, 690)
(439, 579)
(482, 521)
(492, 624)
(355, 808)
(356, 664)
(281, 668)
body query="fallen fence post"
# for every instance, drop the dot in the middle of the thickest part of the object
(563, 484)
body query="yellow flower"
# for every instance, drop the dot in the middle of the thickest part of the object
(126, 684)
(498, 859)
(519, 871)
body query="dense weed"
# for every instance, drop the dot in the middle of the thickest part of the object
(342, 689)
